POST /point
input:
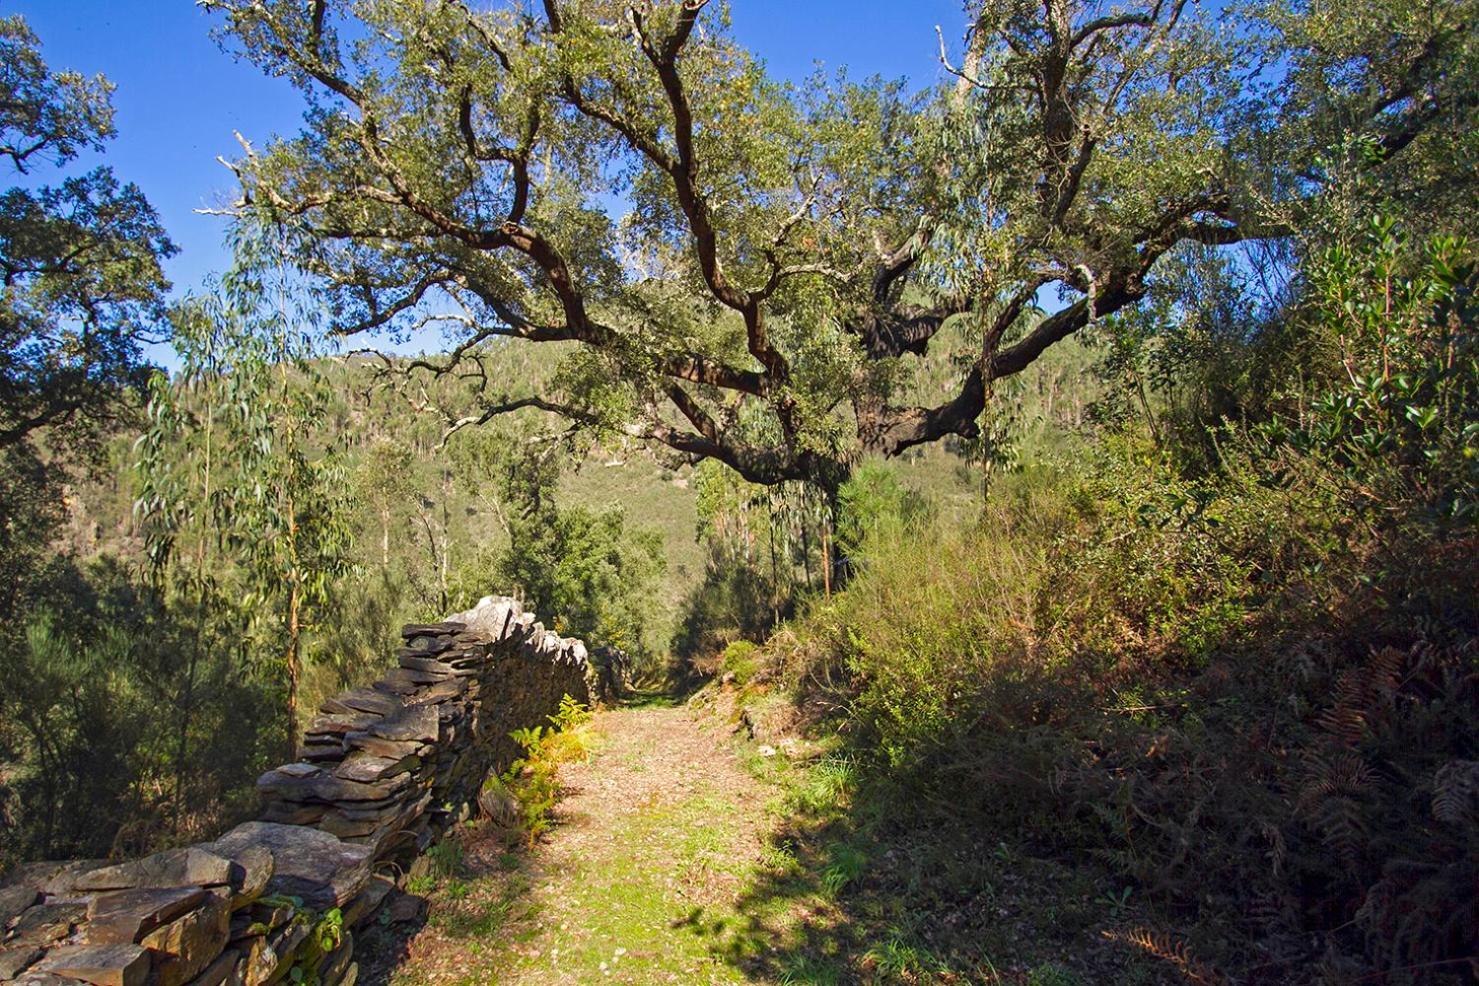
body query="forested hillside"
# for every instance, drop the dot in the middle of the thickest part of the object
(1057, 486)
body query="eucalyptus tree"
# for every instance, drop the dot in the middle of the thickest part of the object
(749, 272)
(243, 507)
(81, 287)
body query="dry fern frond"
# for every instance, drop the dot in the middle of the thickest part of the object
(1385, 671)
(1332, 801)
(1170, 949)
(1456, 792)
(1278, 849)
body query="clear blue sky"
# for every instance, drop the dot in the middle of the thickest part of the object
(179, 97)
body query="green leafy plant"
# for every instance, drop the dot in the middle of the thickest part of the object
(845, 864)
(445, 858)
(1402, 404)
(1116, 900)
(532, 779)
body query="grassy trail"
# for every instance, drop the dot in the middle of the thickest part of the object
(657, 837)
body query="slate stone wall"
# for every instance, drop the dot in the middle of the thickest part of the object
(383, 772)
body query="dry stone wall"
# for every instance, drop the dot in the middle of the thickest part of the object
(383, 772)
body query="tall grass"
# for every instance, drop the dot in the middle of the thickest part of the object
(1240, 674)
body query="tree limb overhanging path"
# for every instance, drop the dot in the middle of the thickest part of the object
(788, 255)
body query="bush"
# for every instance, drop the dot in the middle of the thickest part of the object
(522, 798)
(1247, 689)
(735, 601)
(741, 659)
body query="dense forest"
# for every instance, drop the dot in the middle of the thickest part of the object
(1081, 455)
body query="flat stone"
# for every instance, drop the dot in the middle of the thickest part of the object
(322, 752)
(184, 947)
(256, 868)
(33, 978)
(258, 919)
(416, 722)
(14, 900)
(361, 700)
(125, 916)
(401, 683)
(46, 923)
(405, 908)
(337, 724)
(298, 770)
(310, 864)
(269, 957)
(365, 767)
(425, 646)
(381, 747)
(190, 867)
(102, 965)
(53, 878)
(331, 973)
(258, 963)
(31, 875)
(493, 616)
(368, 902)
(446, 627)
(218, 971)
(427, 665)
(291, 813)
(351, 830)
(322, 786)
(13, 961)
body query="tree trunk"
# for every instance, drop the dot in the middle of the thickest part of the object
(826, 559)
(294, 637)
(385, 537)
(834, 563)
(182, 738)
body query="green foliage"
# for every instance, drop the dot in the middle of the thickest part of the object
(325, 934)
(789, 252)
(767, 547)
(1230, 661)
(83, 286)
(229, 466)
(445, 858)
(845, 864)
(328, 933)
(1402, 404)
(571, 715)
(120, 735)
(1052, 974)
(588, 573)
(533, 779)
(741, 659)
(872, 498)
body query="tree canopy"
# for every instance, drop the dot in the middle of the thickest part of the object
(80, 260)
(751, 271)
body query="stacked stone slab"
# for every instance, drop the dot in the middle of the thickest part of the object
(384, 771)
(237, 910)
(393, 765)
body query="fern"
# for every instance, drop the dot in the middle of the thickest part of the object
(1172, 950)
(1456, 792)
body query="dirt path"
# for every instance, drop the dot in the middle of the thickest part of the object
(640, 881)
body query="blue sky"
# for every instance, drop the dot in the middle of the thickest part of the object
(179, 97)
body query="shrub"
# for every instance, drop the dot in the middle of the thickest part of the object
(1246, 689)
(522, 799)
(741, 659)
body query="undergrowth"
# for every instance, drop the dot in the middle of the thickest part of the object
(521, 799)
(1243, 683)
